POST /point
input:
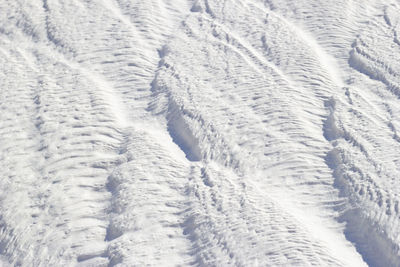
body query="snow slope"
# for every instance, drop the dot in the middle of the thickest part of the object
(199, 133)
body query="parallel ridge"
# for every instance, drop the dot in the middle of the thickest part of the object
(252, 97)
(91, 80)
(254, 110)
(365, 158)
(71, 139)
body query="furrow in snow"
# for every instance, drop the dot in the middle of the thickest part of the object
(265, 124)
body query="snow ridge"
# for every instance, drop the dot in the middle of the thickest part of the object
(205, 133)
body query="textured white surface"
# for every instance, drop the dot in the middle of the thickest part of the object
(204, 133)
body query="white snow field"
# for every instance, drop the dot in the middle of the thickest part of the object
(199, 133)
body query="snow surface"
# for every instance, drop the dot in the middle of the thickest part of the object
(199, 133)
